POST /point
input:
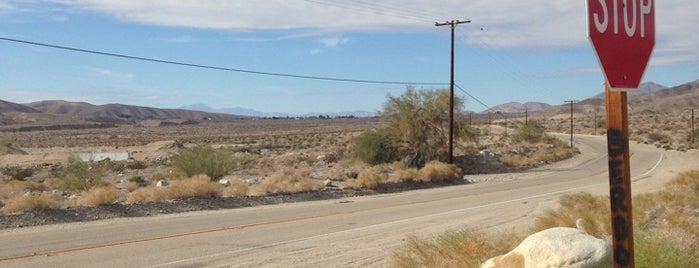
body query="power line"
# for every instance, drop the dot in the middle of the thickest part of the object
(488, 108)
(310, 77)
(364, 7)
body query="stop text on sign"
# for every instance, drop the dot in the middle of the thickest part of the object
(631, 13)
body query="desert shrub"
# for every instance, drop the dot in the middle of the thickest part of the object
(369, 178)
(237, 188)
(5, 145)
(147, 194)
(436, 171)
(40, 202)
(18, 173)
(654, 248)
(14, 188)
(196, 186)
(136, 165)
(97, 196)
(418, 124)
(79, 176)
(539, 156)
(668, 209)
(532, 132)
(203, 159)
(403, 174)
(693, 136)
(373, 147)
(659, 137)
(137, 179)
(463, 248)
(289, 180)
(593, 210)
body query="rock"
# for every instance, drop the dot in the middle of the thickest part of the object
(556, 247)
(162, 183)
(329, 183)
(224, 182)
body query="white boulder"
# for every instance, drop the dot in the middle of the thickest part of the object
(556, 247)
(162, 183)
(224, 182)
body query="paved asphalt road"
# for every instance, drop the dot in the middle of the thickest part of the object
(351, 232)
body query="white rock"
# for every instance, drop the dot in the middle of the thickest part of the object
(556, 247)
(329, 183)
(162, 183)
(224, 182)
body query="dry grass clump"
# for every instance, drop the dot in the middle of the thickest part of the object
(40, 202)
(237, 188)
(289, 180)
(593, 210)
(436, 171)
(465, 248)
(404, 174)
(369, 179)
(196, 186)
(147, 194)
(676, 207)
(14, 188)
(97, 196)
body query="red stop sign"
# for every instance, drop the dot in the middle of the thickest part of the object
(622, 33)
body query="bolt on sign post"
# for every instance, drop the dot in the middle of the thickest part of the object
(622, 33)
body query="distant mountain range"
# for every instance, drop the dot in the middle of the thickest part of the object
(518, 107)
(59, 112)
(255, 113)
(645, 88)
(651, 98)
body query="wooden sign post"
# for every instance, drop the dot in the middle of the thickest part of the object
(619, 177)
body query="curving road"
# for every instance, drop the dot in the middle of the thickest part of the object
(352, 232)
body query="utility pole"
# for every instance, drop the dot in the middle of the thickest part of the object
(595, 121)
(526, 116)
(693, 134)
(452, 25)
(571, 121)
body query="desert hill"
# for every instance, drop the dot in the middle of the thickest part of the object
(56, 113)
(656, 99)
(9, 107)
(123, 113)
(518, 107)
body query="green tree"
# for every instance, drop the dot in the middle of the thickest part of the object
(374, 147)
(418, 124)
(202, 159)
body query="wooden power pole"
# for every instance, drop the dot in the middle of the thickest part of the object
(452, 25)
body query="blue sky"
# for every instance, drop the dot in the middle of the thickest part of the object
(513, 50)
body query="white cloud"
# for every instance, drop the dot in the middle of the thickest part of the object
(505, 23)
(110, 74)
(333, 42)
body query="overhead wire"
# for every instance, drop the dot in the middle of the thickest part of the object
(364, 7)
(195, 65)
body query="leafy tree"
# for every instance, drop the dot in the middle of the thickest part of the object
(374, 147)
(418, 124)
